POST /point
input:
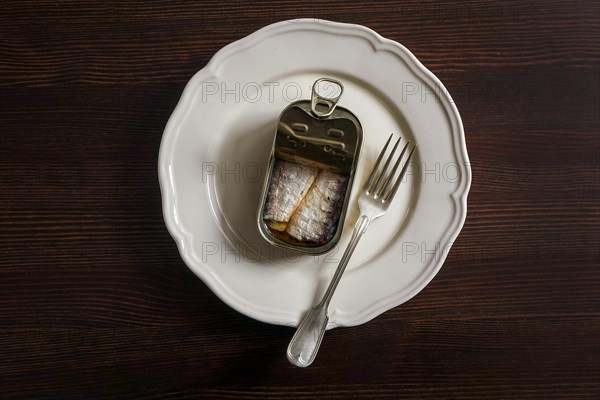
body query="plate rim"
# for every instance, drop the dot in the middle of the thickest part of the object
(379, 43)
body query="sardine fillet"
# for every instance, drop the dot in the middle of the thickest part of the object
(317, 216)
(289, 185)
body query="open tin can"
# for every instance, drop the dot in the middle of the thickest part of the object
(310, 172)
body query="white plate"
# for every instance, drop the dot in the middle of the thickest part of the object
(217, 142)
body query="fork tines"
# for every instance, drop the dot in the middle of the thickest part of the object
(382, 184)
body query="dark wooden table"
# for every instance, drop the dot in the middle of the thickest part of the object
(95, 301)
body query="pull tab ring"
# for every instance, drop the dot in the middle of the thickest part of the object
(323, 106)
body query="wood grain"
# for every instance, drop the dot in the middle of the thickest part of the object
(96, 303)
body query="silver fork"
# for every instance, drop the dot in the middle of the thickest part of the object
(374, 200)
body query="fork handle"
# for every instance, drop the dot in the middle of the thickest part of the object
(303, 347)
(360, 227)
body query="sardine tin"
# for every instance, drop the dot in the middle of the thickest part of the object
(315, 133)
